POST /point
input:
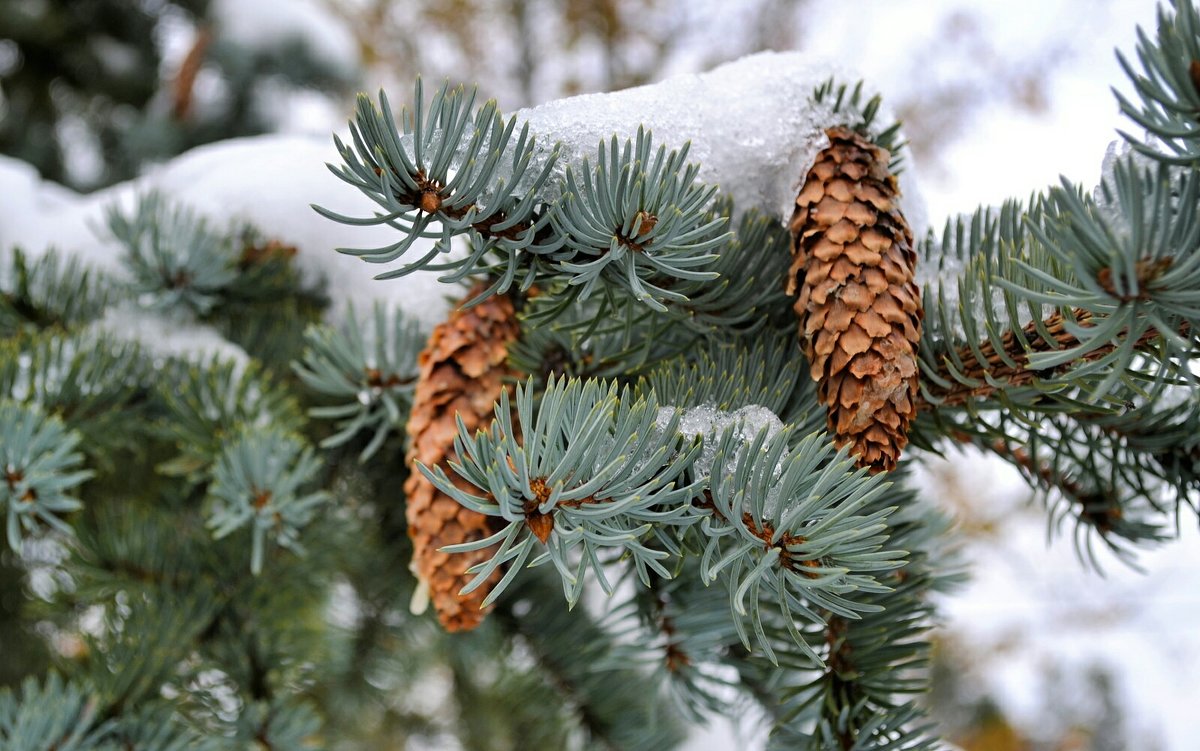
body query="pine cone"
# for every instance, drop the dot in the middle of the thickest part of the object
(859, 308)
(462, 371)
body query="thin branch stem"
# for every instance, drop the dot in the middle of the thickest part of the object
(995, 365)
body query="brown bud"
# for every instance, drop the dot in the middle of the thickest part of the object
(430, 201)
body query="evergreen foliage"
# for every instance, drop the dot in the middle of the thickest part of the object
(93, 73)
(221, 571)
(48, 292)
(376, 381)
(39, 461)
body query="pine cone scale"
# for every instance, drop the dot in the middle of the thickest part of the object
(858, 306)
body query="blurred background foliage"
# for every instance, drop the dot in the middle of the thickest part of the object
(92, 92)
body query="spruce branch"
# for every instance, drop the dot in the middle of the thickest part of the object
(231, 276)
(681, 630)
(173, 255)
(278, 724)
(448, 170)
(55, 714)
(373, 372)
(1088, 471)
(855, 696)
(1117, 273)
(266, 272)
(638, 219)
(862, 727)
(140, 647)
(589, 469)
(1167, 85)
(615, 337)
(39, 471)
(159, 728)
(1161, 437)
(617, 704)
(599, 338)
(1101, 511)
(743, 296)
(791, 525)
(978, 372)
(49, 292)
(256, 483)
(131, 549)
(93, 383)
(740, 558)
(501, 703)
(1126, 257)
(729, 376)
(207, 405)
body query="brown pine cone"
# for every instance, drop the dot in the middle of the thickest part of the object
(463, 371)
(859, 308)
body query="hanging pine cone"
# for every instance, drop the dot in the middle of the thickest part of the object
(859, 308)
(462, 371)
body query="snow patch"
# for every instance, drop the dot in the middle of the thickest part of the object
(270, 181)
(1116, 153)
(752, 124)
(267, 181)
(35, 212)
(710, 423)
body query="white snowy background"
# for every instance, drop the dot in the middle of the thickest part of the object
(1030, 605)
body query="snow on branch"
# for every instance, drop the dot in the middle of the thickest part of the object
(754, 125)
